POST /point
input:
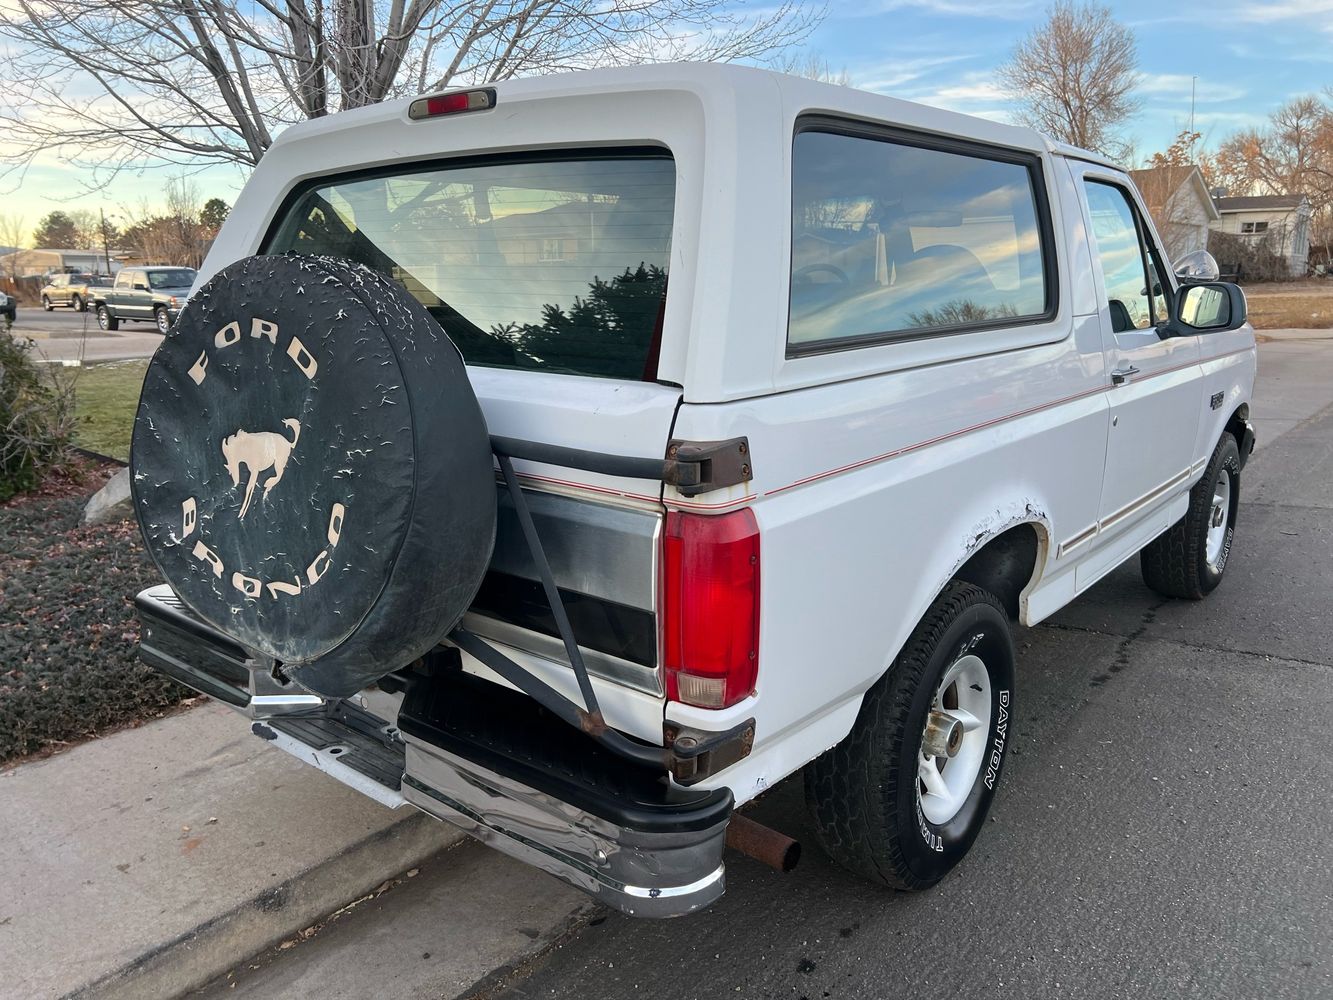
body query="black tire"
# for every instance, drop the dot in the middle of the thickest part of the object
(865, 793)
(105, 320)
(46, 304)
(76, 303)
(1177, 563)
(162, 320)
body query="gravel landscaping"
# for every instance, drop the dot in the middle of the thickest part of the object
(69, 668)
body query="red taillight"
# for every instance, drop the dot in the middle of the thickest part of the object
(710, 607)
(451, 104)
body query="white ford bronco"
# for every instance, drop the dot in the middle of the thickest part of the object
(576, 458)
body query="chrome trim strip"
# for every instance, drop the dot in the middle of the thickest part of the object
(271, 706)
(1067, 546)
(593, 548)
(1144, 500)
(1134, 505)
(552, 648)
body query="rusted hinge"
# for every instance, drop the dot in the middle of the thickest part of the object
(695, 467)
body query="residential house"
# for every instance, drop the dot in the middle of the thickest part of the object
(1282, 221)
(1180, 205)
(44, 261)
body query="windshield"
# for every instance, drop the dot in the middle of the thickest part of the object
(176, 277)
(557, 265)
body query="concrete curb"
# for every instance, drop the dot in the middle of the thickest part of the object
(195, 958)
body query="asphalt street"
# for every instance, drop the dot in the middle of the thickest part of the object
(65, 336)
(1163, 829)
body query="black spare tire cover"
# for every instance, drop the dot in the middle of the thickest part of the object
(311, 471)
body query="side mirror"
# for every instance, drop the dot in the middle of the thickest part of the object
(139, 286)
(1218, 305)
(1199, 266)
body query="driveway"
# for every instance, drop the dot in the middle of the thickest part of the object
(1163, 827)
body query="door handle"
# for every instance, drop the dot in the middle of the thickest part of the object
(1122, 375)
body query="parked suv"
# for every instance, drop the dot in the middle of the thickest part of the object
(73, 290)
(146, 295)
(619, 444)
(9, 307)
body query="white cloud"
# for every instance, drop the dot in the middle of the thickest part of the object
(1284, 10)
(1009, 10)
(974, 93)
(1176, 86)
(890, 75)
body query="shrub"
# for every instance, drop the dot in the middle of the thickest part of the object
(1255, 259)
(36, 417)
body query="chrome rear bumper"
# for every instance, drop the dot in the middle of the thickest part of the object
(481, 757)
(640, 873)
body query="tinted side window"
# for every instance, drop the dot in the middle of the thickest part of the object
(890, 239)
(1129, 267)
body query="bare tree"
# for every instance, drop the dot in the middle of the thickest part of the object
(13, 231)
(1292, 155)
(13, 235)
(812, 66)
(1165, 182)
(174, 234)
(214, 80)
(1075, 77)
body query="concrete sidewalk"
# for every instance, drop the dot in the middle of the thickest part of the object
(149, 862)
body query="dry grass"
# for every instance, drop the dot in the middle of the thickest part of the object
(1277, 308)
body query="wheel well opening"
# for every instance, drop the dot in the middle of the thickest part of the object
(1004, 565)
(1236, 422)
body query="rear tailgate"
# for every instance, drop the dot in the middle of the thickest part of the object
(601, 535)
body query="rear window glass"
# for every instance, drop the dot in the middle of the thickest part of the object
(553, 265)
(178, 277)
(891, 239)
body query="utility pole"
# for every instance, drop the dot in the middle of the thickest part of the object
(1193, 81)
(106, 247)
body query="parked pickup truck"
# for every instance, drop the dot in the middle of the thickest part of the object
(74, 290)
(144, 294)
(616, 445)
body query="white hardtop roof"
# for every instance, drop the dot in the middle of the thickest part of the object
(712, 80)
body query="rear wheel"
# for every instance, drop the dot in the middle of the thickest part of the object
(902, 798)
(46, 304)
(105, 320)
(1189, 559)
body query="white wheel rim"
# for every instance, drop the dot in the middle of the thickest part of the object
(1219, 515)
(944, 783)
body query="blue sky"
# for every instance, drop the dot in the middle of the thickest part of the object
(1249, 56)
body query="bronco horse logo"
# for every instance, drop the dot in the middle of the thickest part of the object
(259, 452)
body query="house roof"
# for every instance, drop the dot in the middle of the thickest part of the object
(1259, 203)
(1158, 185)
